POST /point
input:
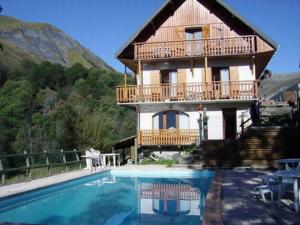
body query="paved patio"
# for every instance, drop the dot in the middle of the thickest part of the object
(239, 207)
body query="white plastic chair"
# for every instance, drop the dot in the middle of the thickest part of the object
(96, 157)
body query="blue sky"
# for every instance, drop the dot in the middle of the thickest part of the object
(104, 26)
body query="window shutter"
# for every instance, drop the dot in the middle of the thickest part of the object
(206, 31)
(181, 76)
(234, 73)
(234, 76)
(180, 33)
(208, 75)
(155, 77)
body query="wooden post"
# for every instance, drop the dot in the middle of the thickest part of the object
(253, 66)
(27, 164)
(47, 162)
(64, 160)
(77, 158)
(2, 169)
(205, 68)
(125, 76)
(135, 151)
(140, 71)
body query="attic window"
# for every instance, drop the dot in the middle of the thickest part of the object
(194, 33)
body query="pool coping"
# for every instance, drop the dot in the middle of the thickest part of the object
(37, 184)
(213, 202)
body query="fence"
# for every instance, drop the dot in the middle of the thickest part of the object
(28, 162)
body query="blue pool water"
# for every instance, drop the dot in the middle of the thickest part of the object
(114, 198)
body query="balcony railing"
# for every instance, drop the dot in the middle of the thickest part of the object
(168, 137)
(195, 48)
(242, 90)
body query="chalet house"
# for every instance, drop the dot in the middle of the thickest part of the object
(197, 64)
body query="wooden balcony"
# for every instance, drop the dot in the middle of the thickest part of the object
(239, 90)
(167, 137)
(243, 45)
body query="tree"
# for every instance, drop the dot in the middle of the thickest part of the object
(14, 107)
(75, 72)
(3, 75)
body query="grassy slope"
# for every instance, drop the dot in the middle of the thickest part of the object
(76, 57)
(7, 22)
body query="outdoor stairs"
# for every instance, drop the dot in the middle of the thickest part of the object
(258, 147)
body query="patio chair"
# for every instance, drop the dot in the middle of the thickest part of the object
(268, 189)
(96, 158)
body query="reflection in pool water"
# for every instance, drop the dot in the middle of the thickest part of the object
(112, 200)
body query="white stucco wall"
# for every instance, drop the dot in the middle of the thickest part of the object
(215, 124)
(194, 116)
(245, 73)
(214, 113)
(146, 121)
(193, 78)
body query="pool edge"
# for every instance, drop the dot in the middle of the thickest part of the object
(213, 207)
(45, 185)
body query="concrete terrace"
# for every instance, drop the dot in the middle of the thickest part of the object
(240, 207)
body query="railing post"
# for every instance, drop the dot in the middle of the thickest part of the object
(47, 162)
(77, 158)
(64, 160)
(2, 169)
(27, 164)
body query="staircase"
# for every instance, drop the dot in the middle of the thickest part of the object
(258, 147)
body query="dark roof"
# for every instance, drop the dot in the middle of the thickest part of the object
(220, 2)
(124, 143)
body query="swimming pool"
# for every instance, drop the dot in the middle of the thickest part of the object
(113, 198)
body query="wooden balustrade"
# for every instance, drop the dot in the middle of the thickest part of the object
(168, 137)
(187, 92)
(195, 48)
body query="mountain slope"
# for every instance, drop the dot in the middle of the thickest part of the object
(43, 42)
(278, 83)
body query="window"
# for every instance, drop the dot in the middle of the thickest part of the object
(169, 77)
(193, 47)
(221, 74)
(170, 119)
(193, 34)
